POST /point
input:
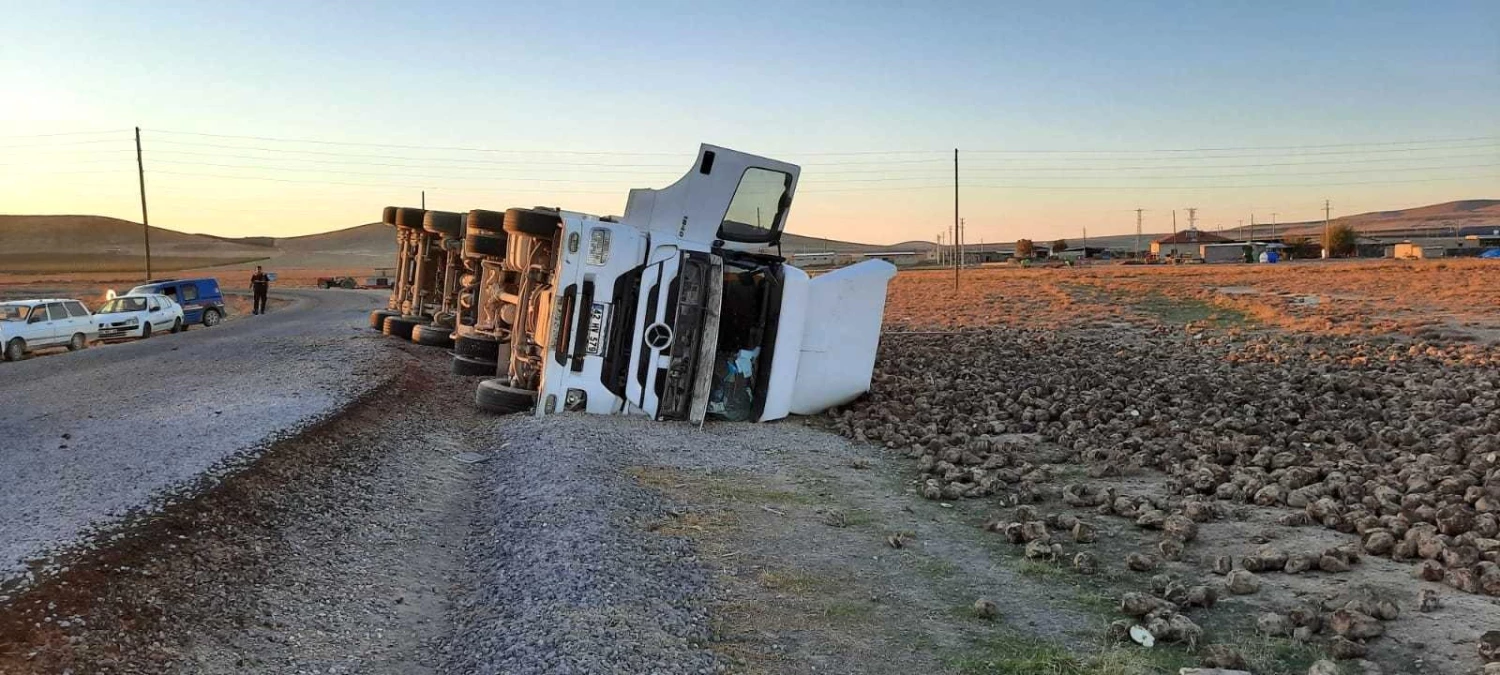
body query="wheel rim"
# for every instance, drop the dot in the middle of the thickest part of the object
(77, 342)
(211, 318)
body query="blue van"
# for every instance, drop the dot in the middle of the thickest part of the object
(200, 298)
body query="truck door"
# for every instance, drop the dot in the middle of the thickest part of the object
(840, 334)
(676, 332)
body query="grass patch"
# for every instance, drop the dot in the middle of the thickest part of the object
(793, 582)
(935, 568)
(1184, 310)
(849, 611)
(1036, 569)
(1012, 654)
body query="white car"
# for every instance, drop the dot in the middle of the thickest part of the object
(138, 316)
(28, 325)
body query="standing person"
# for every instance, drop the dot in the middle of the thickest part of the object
(259, 284)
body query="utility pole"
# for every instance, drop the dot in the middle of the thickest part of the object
(140, 168)
(1273, 226)
(961, 226)
(1192, 218)
(1327, 241)
(1085, 243)
(424, 200)
(955, 216)
(1174, 221)
(1252, 231)
(1138, 253)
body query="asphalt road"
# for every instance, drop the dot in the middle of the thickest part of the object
(87, 437)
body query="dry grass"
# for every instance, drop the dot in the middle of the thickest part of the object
(1417, 297)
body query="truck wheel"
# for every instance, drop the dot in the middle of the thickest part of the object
(477, 347)
(401, 326)
(481, 220)
(388, 216)
(432, 335)
(409, 218)
(146, 330)
(446, 223)
(212, 317)
(497, 396)
(177, 325)
(468, 367)
(15, 350)
(347, 283)
(378, 317)
(484, 244)
(78, 342)
(532, 222)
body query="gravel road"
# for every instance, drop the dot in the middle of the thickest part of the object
(91, 436)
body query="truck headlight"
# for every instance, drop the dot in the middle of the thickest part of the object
(132, 321)
(576, 400)
(598, 246)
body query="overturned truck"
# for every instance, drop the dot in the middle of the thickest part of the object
(674, 310)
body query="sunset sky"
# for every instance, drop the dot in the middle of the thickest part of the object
(277, 119)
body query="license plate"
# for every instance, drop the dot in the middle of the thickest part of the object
(594, 342)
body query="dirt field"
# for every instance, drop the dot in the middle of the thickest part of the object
(1447, 298)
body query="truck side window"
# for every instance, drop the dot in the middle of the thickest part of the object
(189, 293)
(76, 309)
(55, 309)
(759, 204)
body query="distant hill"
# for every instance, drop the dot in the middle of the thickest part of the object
(1447, 219)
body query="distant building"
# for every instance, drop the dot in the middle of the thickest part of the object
(1185, 244)
(897, 258)
(1221, 253)
(815, 259)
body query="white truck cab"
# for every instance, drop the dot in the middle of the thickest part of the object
(669, 312)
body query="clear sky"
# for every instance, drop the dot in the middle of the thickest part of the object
(575, 102)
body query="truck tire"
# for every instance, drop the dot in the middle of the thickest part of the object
(177, 325)
(477, 347)
(78, 341)
(409, 218)
(388, 216)
(468, 367)
(432, 335)
(481, 220)
(497, 396)
(378, 317)
(484, 244)
(348, 283)
(15, 350)
(212, 317)
(532, 222)
(446, 223)
(401, 326)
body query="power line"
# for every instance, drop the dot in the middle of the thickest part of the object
(1261, 147)
(69, 133)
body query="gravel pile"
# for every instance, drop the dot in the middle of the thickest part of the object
(567, 578)
(1398, 442)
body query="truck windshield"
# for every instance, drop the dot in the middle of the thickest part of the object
(123, 305)
(760, 202)
(14, 312)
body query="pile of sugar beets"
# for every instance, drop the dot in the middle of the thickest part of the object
(1397, 441)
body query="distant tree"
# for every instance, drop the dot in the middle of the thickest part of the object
(1301, 247)
(1024, 248)
(1059, 246)
(1342, 240)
